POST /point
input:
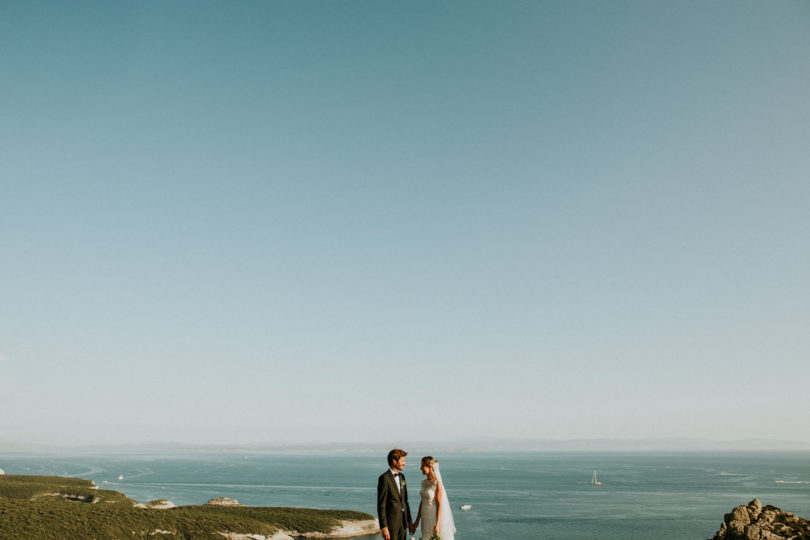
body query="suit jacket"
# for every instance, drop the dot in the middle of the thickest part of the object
(392, 505)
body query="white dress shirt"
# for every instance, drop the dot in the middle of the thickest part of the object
(396, 479)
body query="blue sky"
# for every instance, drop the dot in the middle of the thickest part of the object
(370, 221)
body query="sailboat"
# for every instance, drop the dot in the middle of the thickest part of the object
(595, 482)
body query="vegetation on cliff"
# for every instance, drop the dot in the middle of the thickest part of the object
(50, 507)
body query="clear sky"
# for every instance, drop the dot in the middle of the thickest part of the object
(237, 222)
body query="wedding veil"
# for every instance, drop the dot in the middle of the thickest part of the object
(447, 526)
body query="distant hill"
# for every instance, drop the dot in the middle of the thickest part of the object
(469, 444)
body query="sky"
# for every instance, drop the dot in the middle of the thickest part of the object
(263, 222)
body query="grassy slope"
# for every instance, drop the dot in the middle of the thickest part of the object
(33, 507)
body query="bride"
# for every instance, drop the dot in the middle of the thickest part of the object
(434, 510)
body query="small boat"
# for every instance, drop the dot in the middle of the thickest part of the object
(465, 506)
(120, 476)
(595, 482)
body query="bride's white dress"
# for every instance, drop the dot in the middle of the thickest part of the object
(430, 511)
(429, 507)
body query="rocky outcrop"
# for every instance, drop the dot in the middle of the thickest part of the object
(348, 528)
(755, 522)
(68, 497)
(224, 501)
(159, 504)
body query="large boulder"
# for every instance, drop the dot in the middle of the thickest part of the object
(755, 522)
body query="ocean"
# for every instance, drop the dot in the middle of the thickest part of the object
(678, 496)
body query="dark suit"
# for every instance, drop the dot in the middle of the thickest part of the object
(392, 505)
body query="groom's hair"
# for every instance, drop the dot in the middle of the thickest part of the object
(395, 455)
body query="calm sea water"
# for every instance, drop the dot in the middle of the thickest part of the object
(513, 496)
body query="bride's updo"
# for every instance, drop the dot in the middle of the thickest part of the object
(429, 461)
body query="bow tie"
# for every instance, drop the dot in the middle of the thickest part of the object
(396, 474)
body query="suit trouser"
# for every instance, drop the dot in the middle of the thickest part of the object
(401, 534)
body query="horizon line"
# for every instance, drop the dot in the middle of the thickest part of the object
(459, 444)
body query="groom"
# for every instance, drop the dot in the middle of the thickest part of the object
(392, 498)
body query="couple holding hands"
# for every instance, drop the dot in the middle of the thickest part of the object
(392, 501)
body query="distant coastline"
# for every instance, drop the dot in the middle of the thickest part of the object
(468, 445)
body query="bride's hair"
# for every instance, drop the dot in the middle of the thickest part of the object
(428, 461)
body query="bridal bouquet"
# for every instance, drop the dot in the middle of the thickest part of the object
(435, 536)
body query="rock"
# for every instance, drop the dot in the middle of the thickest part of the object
(741, 515)
(1, 472)
(68, 497)
(224, 501)
(755, 522)
(160, 504)
(736, 529)
(755, 508)
(348, 528)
